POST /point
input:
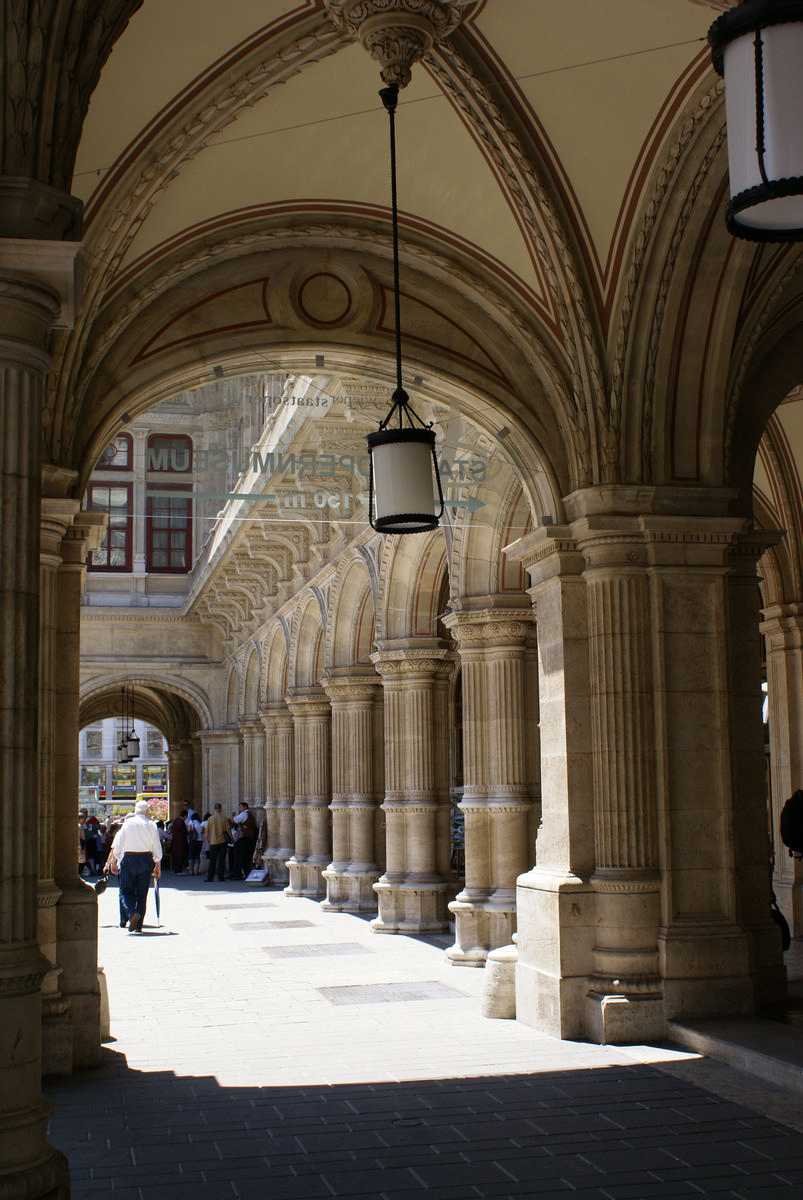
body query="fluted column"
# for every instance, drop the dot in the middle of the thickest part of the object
(252, 734)
(626, 983)
(415, 888)
(354, 870)
(31, 305)
(279, 790)
(651, 876)
(783, 637)
(312, 741)
(76, 907)
(57, 1050)
(498, 794)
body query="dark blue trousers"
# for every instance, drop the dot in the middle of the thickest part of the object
(135, 879)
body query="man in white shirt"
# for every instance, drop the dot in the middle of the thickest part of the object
(136, 854)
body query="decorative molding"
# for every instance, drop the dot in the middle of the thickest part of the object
(397, 33)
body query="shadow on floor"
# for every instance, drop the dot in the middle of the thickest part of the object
(630, 1131)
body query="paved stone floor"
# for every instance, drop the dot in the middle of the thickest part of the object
(262, 1048)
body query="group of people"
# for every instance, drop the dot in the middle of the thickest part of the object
(94, 842)
(138, 850)
(227, 844)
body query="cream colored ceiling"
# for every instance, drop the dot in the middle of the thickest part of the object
(578, 64)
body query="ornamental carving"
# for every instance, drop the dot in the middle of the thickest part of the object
(397, 33)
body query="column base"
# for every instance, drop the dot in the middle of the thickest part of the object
(706, 970)
(275, 863)
(350, 891)
(555, 939)
(306, 879)
(481, 924)
(411, 907)
(614, 1020)
(77, 927)
(46, 1179)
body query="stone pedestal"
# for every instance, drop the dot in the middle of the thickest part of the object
(312, 740)
(356, 738)
(279, 791)
(414, 890)
(496, 651)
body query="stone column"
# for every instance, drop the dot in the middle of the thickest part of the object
(647, 623)
(350, 877)
(57, 1049)
(555, 904)
(279, 790)
(221, 771)
(180, 760)
(76, 908)
(494, 648)
(625, 1001)
(37, 289)
(312, 741)
(253, 741)
(783, 638)
(414, 890)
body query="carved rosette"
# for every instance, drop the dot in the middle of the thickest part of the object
(397, 33)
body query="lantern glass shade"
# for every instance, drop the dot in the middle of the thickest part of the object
(404, 475)
(764, 113)
(132, 745)
(122, 753)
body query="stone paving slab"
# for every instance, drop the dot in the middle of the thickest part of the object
(233, 1074)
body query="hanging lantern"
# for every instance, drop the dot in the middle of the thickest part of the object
(131, 740)
(404, 478)
(401, 495)
(757, 47)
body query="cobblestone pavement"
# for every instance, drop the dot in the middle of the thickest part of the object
(262, 1048)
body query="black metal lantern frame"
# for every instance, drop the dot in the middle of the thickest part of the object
(401, 498)
(757, 47)
(122, 746)
(128, 747)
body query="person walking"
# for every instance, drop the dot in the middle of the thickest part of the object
(218, 829)
(136, 854)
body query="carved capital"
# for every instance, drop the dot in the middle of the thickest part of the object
(397, 33)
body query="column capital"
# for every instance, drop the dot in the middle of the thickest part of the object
(783, 623)
(276, 716)
(351, 686)
(308, 702)
(410, 659)
(483, 628)
(55, 269)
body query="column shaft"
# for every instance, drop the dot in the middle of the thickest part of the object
(312, 741)
(497, 796)
(28, 1165)
(414, 890)
(354, 870)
